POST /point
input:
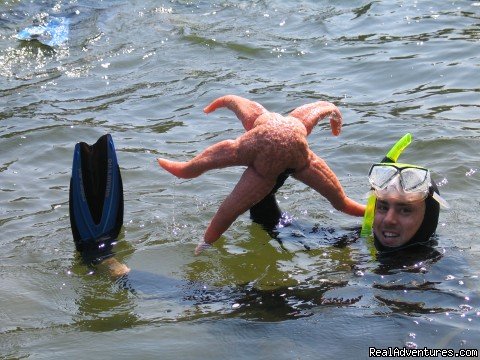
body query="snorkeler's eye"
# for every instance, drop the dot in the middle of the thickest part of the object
(406, 210)
(382, 206)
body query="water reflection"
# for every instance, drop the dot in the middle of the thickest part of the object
(146, 298)
(419, 286)
(416, 259)
(101, 307)
(273, 281)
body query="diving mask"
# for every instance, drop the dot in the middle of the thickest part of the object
(405, 182)
(408, 182)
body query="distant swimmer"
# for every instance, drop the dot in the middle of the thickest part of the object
(271, 145)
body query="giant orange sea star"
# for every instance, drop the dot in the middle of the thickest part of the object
(271, 144)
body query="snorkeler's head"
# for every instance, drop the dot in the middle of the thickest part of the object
(402, 220)
(404, 203)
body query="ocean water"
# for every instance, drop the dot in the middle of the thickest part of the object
(143, 71)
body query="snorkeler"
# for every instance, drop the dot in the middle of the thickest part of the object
(402, 210)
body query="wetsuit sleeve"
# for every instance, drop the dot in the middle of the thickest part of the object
(267, 212)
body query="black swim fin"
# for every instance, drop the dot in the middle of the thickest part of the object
(96, 195)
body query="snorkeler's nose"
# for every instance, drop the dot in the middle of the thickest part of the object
(390, 217)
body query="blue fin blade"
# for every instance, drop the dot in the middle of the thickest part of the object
(87, 230)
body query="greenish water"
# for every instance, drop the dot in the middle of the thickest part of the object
(143, 71)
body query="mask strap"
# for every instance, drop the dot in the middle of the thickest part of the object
(443, 203)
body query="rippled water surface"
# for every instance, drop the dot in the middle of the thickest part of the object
(143, 71)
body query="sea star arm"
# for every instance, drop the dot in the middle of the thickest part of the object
(251, 188)
(311, 114)
(247, 111)
(220, 155)
(321, 178)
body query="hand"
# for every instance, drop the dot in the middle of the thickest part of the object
(202, 246)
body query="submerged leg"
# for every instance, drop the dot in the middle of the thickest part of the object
(322, 179)
(251, 188)
(247, 111)
(217, 156)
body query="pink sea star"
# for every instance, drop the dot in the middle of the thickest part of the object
(271, 144)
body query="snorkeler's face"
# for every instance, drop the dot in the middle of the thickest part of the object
(396, 222)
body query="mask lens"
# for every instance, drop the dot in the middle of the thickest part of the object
(415, 180)
(381, 175)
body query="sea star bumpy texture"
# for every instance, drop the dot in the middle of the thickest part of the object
(271, 144)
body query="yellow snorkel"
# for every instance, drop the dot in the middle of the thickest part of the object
(392, 156)
(398, 148)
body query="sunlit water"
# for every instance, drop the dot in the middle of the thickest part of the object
(143, 71)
